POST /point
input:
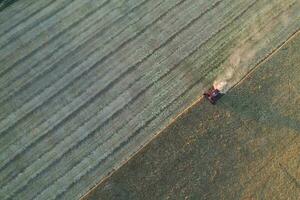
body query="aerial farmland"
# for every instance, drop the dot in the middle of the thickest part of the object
(102, 99)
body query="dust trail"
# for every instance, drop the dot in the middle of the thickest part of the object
(235, 67)
(243, 56)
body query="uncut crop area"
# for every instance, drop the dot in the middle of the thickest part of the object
(84, 85)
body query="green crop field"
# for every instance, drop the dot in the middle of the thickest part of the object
(245, 147)
(85, 84)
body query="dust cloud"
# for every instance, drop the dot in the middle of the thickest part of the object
(235, 67)
(243, 56)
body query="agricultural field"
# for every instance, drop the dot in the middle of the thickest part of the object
(245, 147)
(6, 3)
(85, 85)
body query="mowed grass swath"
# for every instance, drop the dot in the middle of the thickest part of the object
(85, 84)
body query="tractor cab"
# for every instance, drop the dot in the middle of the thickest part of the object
(213, 95)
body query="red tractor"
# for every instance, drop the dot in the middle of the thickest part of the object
(213, 95)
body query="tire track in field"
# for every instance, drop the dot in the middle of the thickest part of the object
(54, 125)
